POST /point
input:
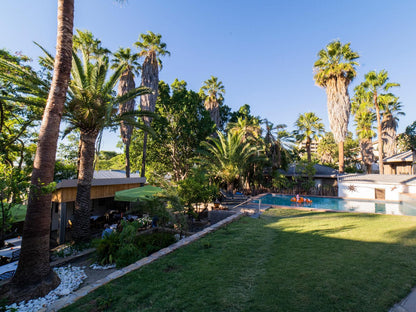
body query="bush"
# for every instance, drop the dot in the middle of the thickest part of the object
(127, 247)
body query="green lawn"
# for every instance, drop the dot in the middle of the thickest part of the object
(287, 260)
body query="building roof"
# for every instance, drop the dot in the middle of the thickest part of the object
(377, 179)
(321, 171)
(402, 157)
(104, 177)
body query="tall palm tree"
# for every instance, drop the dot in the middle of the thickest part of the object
(227, 157)
(364, 119)
(215, 90)
(151, 48)
(334, 70)
(377, 86)
(125, 85)
(250, 129)
(389, 123)
(91, 107)
(34, 277)
(278, 143)
(308, 127)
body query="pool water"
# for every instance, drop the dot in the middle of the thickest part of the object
(339, 204)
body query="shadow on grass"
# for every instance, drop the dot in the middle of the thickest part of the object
(257, 265)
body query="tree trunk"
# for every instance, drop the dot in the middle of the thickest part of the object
(143, 171)
(308, 148)
(34, 276)
(341, 157)
(367, 155)
(388, 134)
(126, 84)
(214, 111)
(81, 222)
(150, 79)
(380, 140)
(339, 106)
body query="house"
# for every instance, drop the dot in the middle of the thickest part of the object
(376, 187)
(401, 163)
(103, 188)
(325, 178)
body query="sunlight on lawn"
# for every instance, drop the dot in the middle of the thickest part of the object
(351, 226)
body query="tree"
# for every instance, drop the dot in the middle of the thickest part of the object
(334, 70)
(391, 111)
(278, 145)
(308, 127)
(376, 85)
(182, 124)
(364, 118)
(90, 109)
(125, 85)
(214, 98)
(151, 48)
(249, 128)
(34, 276)
(227, 158)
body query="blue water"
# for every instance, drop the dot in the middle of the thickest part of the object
(339, 204)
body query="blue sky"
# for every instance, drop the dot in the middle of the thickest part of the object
(262, 51)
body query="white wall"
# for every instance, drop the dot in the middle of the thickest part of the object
(367, 191)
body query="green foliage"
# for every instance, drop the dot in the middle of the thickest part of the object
(182, 125)
(328, 151)
(126, 247)
(305, 172)
(14, 184)
(196, 189)
(280, 181)
(227, 158)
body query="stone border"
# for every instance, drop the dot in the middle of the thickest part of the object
(71, 298)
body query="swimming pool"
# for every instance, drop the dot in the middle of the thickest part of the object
(339, 204)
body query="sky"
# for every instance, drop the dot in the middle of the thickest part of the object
(263, 51)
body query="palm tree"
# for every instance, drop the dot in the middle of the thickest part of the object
(151, 48)
(278, 143)
(90, 109)
(309, 126)
(250, 129)
(364, 118)
(215, 90)
(391, 111)
(377, 87)
(227, 157)
(34, 277)
(125, 85)
(334, 70)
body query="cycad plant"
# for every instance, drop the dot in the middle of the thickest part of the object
(334, 70)
(151, 48)
(227, 157)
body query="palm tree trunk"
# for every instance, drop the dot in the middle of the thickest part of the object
(124, 86)
(34, 276)
(143, 171)
(367, 155)
(341, 157)
(81, 222)
(150, 79)
(308, 148)
(388, 135)
(380, 140)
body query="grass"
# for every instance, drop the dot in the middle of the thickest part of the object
(287, 260)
